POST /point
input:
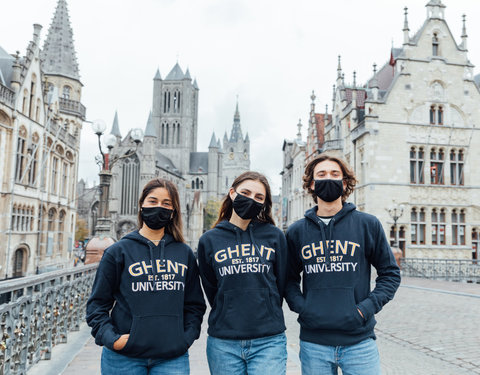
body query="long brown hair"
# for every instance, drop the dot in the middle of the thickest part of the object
(175, 225)
(348, 175)
(265, 214)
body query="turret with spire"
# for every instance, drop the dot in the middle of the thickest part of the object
(58, 54)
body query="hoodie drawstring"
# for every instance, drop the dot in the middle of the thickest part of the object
(252, 240)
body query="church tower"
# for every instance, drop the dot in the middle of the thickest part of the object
(175, 116)
(236, 151)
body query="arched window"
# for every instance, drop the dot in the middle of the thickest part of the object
(436, 166)
(24, 103)
(178, 134)
(458, 227)
(51, 230)
(475, 244)
(32, 167)
(53, 183)
(432, 115)
(32, 97)
(438, 227)
(417, 162)
(417, 226)
(21, 154)
(201, 185)
(435, 50)
(163, 135)
(456, 167)
(197, 185)
(166, 135)
(130, 185)
(19, 262)
(66, 92)
(42, 227)
(193, 184)
(440, 115)
(61, 229)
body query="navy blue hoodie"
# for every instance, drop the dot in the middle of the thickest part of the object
(243, 274)
(336, 261)
(161, 307)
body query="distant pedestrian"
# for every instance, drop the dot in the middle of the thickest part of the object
(150, 279)
(334, 247)
(242, 263)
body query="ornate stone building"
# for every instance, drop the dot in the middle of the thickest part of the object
(169, 150)
(40, 122)
(411, 133)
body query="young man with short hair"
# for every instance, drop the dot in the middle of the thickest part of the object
(334, 246)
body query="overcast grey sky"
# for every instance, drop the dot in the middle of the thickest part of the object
(270, 53)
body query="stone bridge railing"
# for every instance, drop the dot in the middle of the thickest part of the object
(442, 269)
(38, 312)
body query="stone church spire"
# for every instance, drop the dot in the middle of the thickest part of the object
(236, 133)
(58, 54)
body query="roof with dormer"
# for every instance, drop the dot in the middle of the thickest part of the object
(58, 54)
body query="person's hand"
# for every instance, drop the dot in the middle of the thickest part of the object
(361, 314)
(121, 342)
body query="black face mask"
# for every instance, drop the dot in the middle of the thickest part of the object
(328, 190)
(245, 207)
(156, 217)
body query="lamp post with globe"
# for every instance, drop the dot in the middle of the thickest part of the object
(103, 230)
(395, 211)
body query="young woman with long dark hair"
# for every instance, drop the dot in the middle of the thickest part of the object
(150, 278)
(242, 264)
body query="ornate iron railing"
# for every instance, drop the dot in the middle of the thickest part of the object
(442, 269)
(37, 312)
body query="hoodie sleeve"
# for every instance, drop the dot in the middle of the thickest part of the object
(101, 302)
(207, 273)
(293, 294)
(281, 264)
(194, 304)
(388, 275)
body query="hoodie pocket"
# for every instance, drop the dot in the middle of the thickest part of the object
(156, 336)
(331, 308)
(245, 310)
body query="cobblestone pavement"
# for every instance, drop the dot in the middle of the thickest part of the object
(430, 328)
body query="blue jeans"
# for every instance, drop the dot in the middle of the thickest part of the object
(263, 356)
(114, 363)
(358, 359)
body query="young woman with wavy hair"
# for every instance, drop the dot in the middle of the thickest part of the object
(242, 264)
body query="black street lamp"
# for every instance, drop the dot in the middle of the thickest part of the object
(103, 235)
(395, 211)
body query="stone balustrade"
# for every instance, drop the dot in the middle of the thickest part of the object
(7, 95)
(38, 312)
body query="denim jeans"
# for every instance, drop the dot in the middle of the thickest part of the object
(118, 364)
(262, 356)
(358, 359)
